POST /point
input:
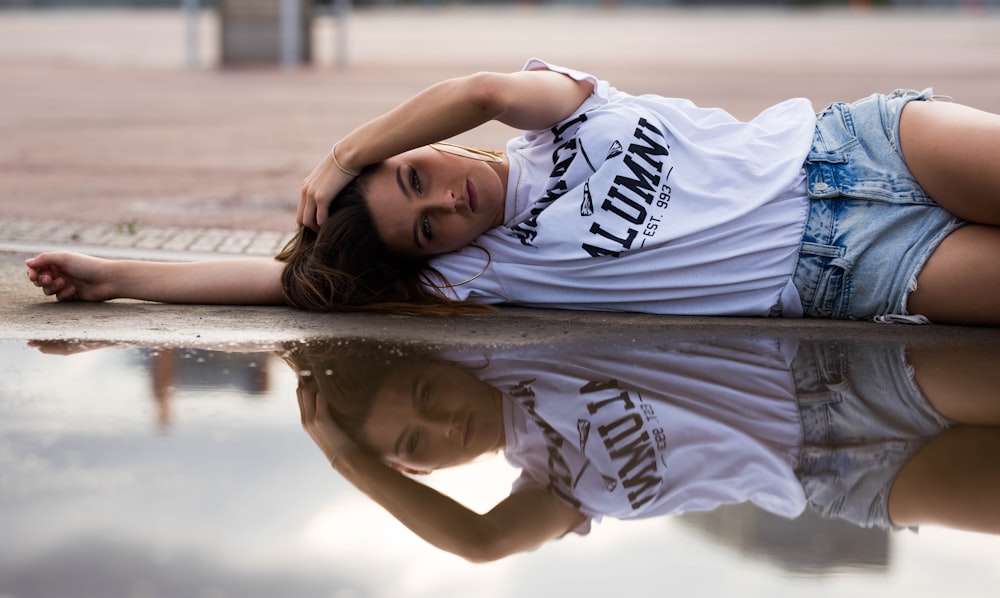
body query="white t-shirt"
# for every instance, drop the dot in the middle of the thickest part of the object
(654, 430)
(647, 204)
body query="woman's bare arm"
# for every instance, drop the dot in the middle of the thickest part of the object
(78, 277)
(525, 100)
(521, 522)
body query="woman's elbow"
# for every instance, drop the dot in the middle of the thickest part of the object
(486, 553)
(488, 93)
(490, 547)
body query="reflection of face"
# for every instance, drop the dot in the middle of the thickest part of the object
(426, 202)
(431, 415)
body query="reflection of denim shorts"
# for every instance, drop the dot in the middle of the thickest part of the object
(870, 227)
(863, 417)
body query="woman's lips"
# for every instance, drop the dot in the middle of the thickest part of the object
(468, 431)
(470, 190)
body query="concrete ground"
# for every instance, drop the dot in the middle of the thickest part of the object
(111, 145)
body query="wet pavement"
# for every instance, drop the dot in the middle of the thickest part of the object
(138, 469)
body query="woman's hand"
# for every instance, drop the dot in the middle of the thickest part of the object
(72, 276)
(318, 191)
(58, 347)
(319, 425)
(535, 99)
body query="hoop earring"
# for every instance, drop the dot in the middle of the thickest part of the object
(471, 153)
(489, 260)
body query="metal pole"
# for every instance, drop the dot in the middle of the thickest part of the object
(340, 10)
(291, 41)
(192, 13)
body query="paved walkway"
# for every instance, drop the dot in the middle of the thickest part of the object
(108, 144)
(128, 240)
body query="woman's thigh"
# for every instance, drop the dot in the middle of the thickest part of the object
(953, 151)
(960, 283)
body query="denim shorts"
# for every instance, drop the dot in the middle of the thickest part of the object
(870, 227)
(863, 417)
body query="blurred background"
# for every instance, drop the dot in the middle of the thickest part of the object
(168, 113)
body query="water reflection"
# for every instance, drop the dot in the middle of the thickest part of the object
(170, 472)
(684, 426)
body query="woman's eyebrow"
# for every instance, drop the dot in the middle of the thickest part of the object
(399, 441)
(406, 192)
(401, 183)
(414, 389)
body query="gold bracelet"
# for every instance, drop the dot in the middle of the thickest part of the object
(333, 154)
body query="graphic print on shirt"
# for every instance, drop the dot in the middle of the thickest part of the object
(629, 438)
(567, 148)
(561, 479)
(635, 203)
(587, 205)
(624, 213)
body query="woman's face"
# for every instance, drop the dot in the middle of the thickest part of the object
(427, 202)
(426, 416)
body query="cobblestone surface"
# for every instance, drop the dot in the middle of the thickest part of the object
(130, 240)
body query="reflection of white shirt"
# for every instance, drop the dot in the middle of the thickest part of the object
(646, 431)
(649, 204)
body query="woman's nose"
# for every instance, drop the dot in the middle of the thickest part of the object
(447, 201)
(443, 423)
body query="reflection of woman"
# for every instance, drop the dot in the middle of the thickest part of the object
(610, 201)
(641, 431)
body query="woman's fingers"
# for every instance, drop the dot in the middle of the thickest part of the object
(307, 404)
(300, 210)
(67, 292)
(54, 287)
(319, 191)
(306, 214)
(49, 284)
(322, 210)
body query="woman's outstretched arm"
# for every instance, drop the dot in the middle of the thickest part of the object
(78, 277)
(524, 100)
(521, 522)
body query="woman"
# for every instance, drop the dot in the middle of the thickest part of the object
(616, 202)
(644, 429)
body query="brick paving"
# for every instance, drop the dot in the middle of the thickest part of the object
(109, 145)
(130, 240)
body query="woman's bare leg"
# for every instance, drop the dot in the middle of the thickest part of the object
(953, 152)
(960, 380)
(960, 283)
(953, 481)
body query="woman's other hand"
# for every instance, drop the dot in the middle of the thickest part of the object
(318, 190)
(318, 423)
(72, 276)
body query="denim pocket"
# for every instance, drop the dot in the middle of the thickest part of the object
(828, 290)
(834, 140)
(854, 154)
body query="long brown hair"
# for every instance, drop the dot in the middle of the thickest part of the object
(347, 267)
(348, 373)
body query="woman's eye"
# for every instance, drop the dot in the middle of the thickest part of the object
(415, 180)
(425, 227)
(425, 398)
(411, 444)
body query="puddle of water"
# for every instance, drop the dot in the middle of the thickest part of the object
(138, 471)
